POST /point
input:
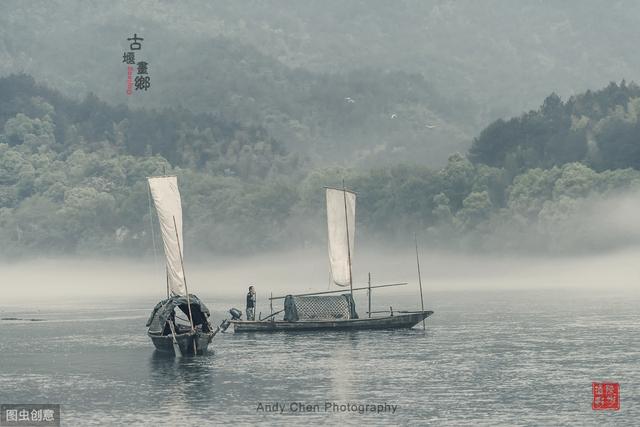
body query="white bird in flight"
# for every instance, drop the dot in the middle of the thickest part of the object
(431, 126)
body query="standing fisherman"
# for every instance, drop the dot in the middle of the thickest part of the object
(251, 303)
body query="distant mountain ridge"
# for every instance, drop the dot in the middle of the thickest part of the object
(72, 180)
(362, 115)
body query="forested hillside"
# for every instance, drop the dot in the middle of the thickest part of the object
(334, 81)
(361, 115)
(72, 179)
(599, 129)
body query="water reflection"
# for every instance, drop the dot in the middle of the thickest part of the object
(188, 380)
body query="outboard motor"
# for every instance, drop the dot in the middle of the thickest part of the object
(235, 315)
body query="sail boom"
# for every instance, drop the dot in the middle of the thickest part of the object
(346, 190)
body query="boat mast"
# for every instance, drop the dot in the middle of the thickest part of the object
(369, 294)
(166, 270)
(346, 220)
(419, 280)
(184, 276)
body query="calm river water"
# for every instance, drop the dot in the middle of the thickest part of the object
(487, 358)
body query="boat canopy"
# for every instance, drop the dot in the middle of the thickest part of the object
(319, 307)
(165, 309)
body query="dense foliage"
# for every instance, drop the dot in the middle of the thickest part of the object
(600, 129)
(290, 67)
(73, 173)
(330, 117)
(72, 178)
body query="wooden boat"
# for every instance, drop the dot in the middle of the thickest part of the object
(188, 343)
(170, 336)
(399, 321)
(168, 330)
(318, 311)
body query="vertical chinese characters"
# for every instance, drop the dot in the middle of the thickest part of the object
(142, 80)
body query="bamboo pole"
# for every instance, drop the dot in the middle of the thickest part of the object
(369, 294)
(415, 236)
(271, 315)
(166, 270)
(184, 276)
(397, 311)
(178, 352)
(346, 220)
(340, 290)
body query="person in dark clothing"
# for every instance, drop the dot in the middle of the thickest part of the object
(251, 303)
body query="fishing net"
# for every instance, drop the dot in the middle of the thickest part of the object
(328, 307)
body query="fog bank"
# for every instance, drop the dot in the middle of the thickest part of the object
(64, 281)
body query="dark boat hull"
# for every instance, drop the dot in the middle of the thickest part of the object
(185, 342)
(398, 321)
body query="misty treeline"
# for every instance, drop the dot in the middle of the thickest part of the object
(328, 116)
(72, 178)
(368, 83)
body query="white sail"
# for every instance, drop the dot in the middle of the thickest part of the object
(341, 222)
(166, 198)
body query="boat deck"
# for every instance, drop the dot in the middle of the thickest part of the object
(397, 321)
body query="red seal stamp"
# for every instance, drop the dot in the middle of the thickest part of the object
(606, 396)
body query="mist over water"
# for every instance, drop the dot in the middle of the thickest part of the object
(514, 340)
(70, 280)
